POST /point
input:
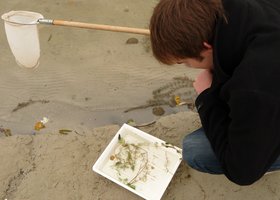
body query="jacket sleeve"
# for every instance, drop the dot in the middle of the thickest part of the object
(244, 132)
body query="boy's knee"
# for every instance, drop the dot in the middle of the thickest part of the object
(189, 151)
(198, 154)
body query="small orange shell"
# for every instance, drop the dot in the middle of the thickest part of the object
(112, 157)
(38, 126)
(177, 100)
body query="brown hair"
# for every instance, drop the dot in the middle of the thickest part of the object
(179, 28)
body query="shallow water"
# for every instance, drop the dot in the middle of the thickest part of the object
(86, 78)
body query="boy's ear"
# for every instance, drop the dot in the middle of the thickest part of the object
(207, 46)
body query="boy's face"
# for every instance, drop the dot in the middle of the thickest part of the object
(205, 63)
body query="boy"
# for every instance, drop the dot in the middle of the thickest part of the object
(237, 44)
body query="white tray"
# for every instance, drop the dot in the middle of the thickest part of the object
(147, 176)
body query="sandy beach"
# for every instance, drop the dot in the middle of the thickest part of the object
(87, 78)
(92, 82)
(55, 166)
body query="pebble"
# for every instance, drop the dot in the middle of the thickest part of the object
(132, 41)
(158, 111)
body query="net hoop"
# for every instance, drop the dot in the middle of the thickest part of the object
(22, 17)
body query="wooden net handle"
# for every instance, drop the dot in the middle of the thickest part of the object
(101, 27)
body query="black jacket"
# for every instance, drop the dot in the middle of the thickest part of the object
(240, 112)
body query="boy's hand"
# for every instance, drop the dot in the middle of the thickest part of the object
(203, 81)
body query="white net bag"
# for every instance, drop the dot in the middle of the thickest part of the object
(23, 38)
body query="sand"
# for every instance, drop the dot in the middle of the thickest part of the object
(55, 166)
(87, 78)
(85, 81)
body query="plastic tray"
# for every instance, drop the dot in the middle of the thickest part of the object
(139, 162)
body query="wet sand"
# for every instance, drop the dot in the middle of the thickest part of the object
(87, 77)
